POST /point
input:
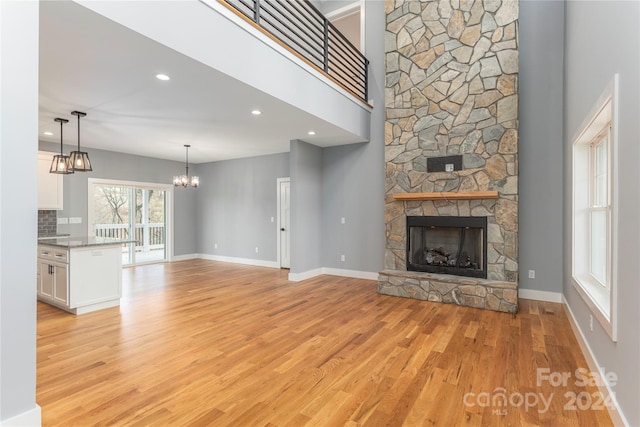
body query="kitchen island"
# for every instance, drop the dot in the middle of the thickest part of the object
(80, 274)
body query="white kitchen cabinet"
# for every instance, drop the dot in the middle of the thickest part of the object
(60, 284)
(50, 194)
(45, 280)
(80, 279)
(53, 283)
(53, 277)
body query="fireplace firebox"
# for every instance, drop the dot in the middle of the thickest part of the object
(447, 245)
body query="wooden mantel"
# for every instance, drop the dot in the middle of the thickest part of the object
(469, 195)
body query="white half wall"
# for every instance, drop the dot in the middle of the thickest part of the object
(18, 211)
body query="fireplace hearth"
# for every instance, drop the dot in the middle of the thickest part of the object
(447, 245)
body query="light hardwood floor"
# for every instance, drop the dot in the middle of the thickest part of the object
(205, 343)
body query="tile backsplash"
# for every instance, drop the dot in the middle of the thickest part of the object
(47, 222)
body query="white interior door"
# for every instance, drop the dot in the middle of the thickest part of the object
(284, 221)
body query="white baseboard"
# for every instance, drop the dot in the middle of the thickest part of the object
(298, 277)
(185, 257)
(246, 261)
(293, 277)
(350, 273)
(540, 295)
(31, 418)
(616, 415)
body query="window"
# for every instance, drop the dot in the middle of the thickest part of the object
(593, 214)
(132, 210)
(599, 209)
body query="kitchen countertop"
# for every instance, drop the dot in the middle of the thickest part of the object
(83, 241)
(51, 236)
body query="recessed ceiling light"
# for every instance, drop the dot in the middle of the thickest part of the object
(47, 133)
(311, 132)
(256, 112)
(162, 77)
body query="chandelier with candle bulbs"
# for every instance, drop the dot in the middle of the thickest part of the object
(185, 180)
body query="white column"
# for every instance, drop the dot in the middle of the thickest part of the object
(18, 211)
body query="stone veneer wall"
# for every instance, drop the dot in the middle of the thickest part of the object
(451, 89)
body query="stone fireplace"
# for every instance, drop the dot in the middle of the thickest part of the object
(451, 152)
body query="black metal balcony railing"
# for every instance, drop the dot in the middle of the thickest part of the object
(302, 27)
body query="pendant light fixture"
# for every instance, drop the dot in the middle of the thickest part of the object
(184, 180)
(60, 162)
(79, 160)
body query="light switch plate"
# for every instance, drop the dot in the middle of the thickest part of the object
(62, 221)
(75, 220)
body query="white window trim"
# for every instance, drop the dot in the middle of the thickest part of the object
(601, 301)
(167, 188)
(597, 140)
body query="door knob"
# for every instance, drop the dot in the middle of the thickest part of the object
(282, 229)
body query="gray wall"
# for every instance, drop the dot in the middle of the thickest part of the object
(18, 195)
(540, 144)
(603, 38)
(126, 167)
(353, 176)
(235, 203)
(306, 206)
(237, 198)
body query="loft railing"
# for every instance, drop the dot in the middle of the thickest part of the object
(303, 28)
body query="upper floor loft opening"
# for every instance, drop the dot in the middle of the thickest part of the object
(302, 28)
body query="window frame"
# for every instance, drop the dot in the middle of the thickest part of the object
(603, 118)
(169, 208)
(603, 137)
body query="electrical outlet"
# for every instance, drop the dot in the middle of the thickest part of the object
(62, 221)
(591, 322)
(342, 220)
(215, 246)
(448, 167)
(75, 220)
(342, 258)
(532, 274)
(256, 249)
(272, 219)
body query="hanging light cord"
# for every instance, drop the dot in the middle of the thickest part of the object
(78, 132)
(61, 148)
(187, 165)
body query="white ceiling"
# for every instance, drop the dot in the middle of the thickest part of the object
(91, 64)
